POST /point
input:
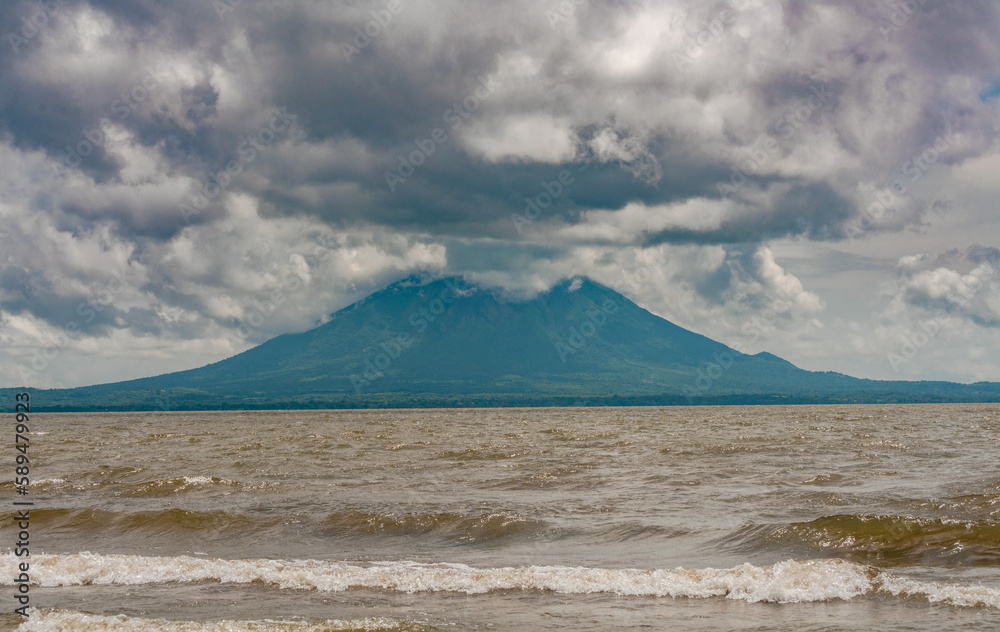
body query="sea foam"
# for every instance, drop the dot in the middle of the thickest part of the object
(785, 582)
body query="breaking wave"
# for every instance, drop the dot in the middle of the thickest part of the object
(785, 582)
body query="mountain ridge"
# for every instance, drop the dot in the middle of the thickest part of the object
(444, 342)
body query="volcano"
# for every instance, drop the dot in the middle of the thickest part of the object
(446, 343)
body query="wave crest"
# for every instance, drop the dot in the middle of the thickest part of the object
(891, 540)
(790, 581)
(487, 526)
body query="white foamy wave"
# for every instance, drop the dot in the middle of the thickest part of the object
(66, 621)
(955, 595)
(204, 480)
(785, 582)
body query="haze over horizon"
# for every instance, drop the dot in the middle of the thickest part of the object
(816, 180)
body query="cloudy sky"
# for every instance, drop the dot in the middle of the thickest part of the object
(182, 180)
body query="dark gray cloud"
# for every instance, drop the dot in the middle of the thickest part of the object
(30, 292)
(812, 210)
(220, 77)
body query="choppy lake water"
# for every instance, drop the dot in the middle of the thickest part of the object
(704, 518)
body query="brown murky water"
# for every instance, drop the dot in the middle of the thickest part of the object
(714, 518)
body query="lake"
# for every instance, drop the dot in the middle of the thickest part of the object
(687, 518)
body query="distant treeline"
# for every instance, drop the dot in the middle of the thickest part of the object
(87, 400)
